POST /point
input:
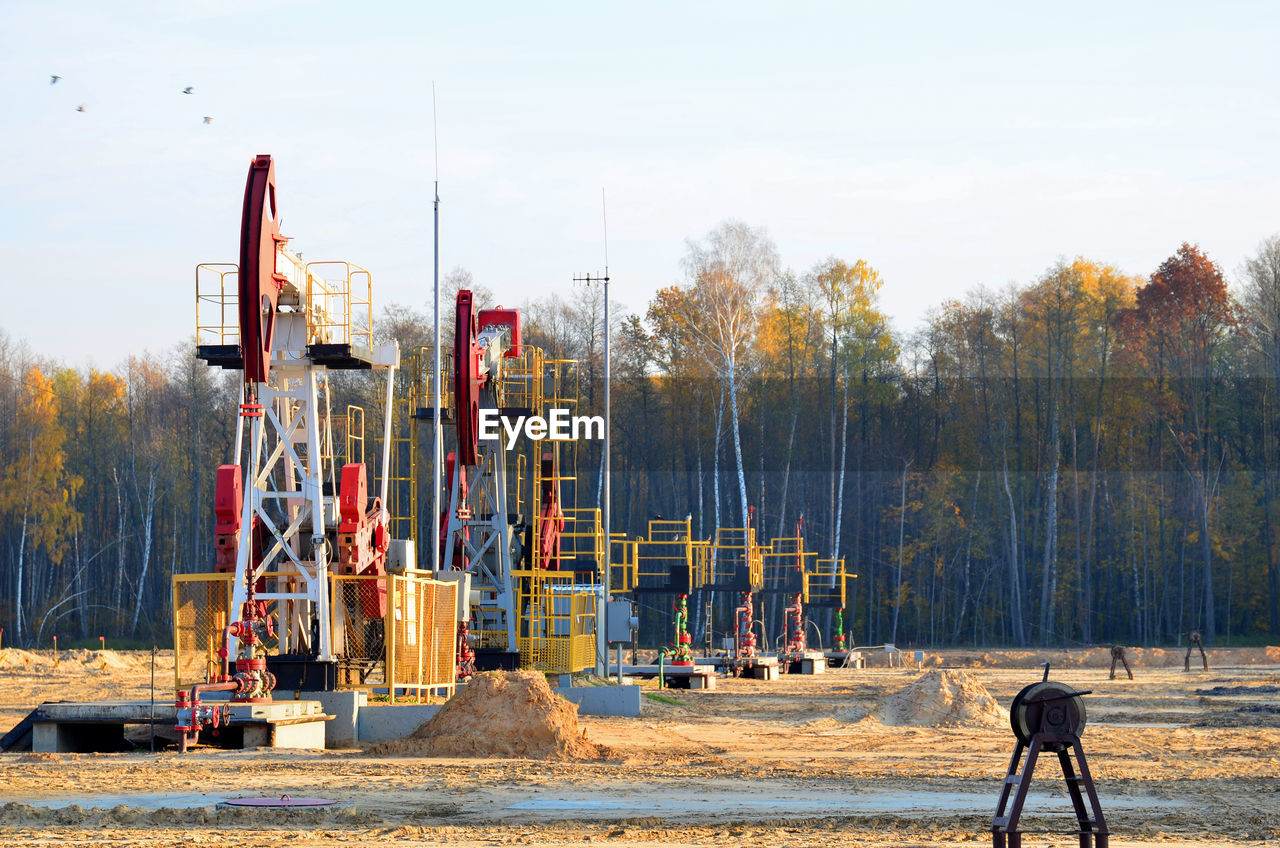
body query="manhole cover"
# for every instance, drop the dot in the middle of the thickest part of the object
(282, 801)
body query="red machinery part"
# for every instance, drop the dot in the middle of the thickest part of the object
(362, 537)
(464, 512)
(467, 379)
(466, 667)
(228, 501)
(282, 801)
(745, 613)
(499, 317)
(259, 282)
(795, 627)
(353, 494)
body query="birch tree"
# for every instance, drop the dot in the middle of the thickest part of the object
(728, 272)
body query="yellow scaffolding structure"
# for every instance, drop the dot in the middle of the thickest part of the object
(340, 308)
(735, 551)
(217, 303)
(557, 622)
(827, 583)
(785, 563)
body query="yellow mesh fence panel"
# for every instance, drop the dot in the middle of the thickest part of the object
(415, 638)
(557, 627)
(422, 643)
(200, 614)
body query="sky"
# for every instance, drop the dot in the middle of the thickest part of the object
(951, 145)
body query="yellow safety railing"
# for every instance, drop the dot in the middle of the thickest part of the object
(623, 565)
(701, 553)
(826, 583)
(217, 304)
(339, 310)
(735, 548)
(557, 622)
(785, 562)
(355, 434)
(422, 627)
(581, 540)
(522, 383)
(666, 555)
(421, 388)
(402, 488)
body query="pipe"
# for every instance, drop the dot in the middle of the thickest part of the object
(229, 686)
(388, 409)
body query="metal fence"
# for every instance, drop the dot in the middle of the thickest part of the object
(557, 622)
(397, 632)
(422, 633)
(201, 604)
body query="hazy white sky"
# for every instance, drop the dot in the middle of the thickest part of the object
(950, 144)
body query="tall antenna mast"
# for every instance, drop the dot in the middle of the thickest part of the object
(602, 626)
(437, 439)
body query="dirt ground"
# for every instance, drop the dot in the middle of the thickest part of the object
(1180, 760)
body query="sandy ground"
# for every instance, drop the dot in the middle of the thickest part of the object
(1180, 760)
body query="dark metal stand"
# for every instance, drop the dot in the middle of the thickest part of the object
(1118, 656)
(1050, 717)
(1092, 830)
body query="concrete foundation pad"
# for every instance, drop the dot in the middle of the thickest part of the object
(762, 672)
(604, 700)
(380, 723)
(70, 727)
(697, 680)
(344, 706)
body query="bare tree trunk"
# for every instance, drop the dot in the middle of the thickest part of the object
(1201, 489)
(1015, 582)
(737, 440)
(844, 450)
(786, 469)
(22, 548)
(902, 526)
(118, 593)
(1049, 579)
(149, 515)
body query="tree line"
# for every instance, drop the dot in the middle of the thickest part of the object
(1084, 457)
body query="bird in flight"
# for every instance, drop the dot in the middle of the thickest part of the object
(53, 79)
(80, 108)
(189, 90)
(208, 120)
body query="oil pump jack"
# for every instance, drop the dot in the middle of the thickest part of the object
(506, 557)
(287, 516)
(478, 537)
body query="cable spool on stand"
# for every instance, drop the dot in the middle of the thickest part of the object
(1048, 716)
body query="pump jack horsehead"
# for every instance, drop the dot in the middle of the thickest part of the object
(288, 517)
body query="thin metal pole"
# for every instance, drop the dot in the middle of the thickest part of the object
(608, 538)
(608, 430)
(436, 434)
(153, 698)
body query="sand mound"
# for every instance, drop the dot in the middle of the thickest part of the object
(943, 699)
(501, 714)
(18, 658)
(110, 659)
